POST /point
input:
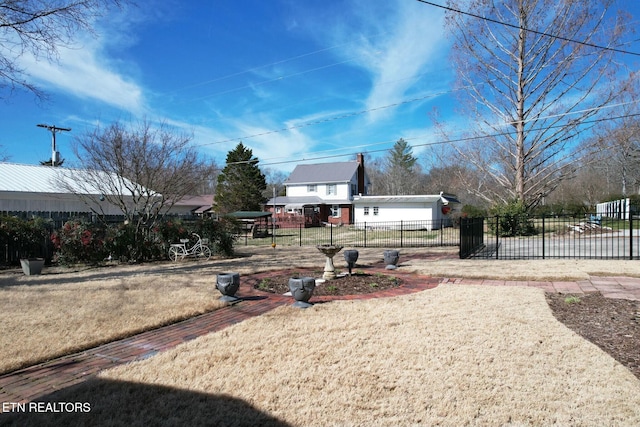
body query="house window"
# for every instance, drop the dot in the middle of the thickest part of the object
(335, 211)
(375, 210)
(311, 188)
(366, 210)
(331, 189)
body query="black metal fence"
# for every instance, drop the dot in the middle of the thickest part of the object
(471, 236)
(397, 234)
(584, 237)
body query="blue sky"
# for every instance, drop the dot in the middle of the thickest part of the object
(290, 79)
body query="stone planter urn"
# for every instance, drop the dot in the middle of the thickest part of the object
(301, 290)
(351, 256)
(391, 259)
(228, 284)
(32, 266)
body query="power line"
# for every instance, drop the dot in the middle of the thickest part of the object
(442, 142)
(541, 33)
(333, 118)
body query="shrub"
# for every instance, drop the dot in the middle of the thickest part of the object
(24, 238)
(512, 220)
(219, 232)
(471, 211)
(81, 241)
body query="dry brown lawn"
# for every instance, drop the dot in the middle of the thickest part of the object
(55, 314)
(454, 355)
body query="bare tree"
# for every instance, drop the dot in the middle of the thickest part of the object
(40, 28)
(534, 72)
(617, 141)
(143, 171)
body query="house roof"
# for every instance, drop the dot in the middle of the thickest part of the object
(420, 198)
(321, 173)
(199, 204)
(19, 178)
(249, 214)
(397, 199)
(286, 200)
(300, 202)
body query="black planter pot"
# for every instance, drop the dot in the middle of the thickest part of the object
(228, 284)
(302, 289)
(391, 259)
(351, 256)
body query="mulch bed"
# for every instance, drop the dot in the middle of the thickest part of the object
(611, 324)
(357, 284)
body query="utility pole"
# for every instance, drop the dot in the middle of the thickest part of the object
(55, 155)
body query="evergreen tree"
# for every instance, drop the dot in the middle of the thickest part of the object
(401, 170)
(241, 183)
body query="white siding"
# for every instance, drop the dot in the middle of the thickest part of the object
(395, 212)
(39, 202)
(342, 191)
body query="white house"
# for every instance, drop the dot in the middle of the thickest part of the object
(321, 192)
(416, 211)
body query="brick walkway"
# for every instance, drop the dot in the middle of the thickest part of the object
(39, 380)
(610, 287)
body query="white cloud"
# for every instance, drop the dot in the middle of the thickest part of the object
(396, 47)
(82, 73)
(84, 69)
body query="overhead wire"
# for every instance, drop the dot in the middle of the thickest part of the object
(541, 33)
(356, 113)
(267, 162)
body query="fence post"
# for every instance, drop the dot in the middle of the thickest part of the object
(365, 234)
(497, 235)
(543, 248)
(401, 233)
(300, 233)
(630, 235)
(330, 234)
(441, 231)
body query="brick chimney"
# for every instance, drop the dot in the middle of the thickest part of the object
(361, 188)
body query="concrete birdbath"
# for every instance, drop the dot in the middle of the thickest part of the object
(329, 251)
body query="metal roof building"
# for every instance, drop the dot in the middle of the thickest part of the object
(42, 189)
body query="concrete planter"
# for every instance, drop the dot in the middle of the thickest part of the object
(32, 266)
(391, 259)
(351, 256)
(302, 289)
(228, 284)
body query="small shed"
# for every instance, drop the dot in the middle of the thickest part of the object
(434, 211)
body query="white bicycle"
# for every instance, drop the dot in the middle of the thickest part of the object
(199, 250)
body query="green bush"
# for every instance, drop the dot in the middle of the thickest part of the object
(511, 219)
(219, 232)
(471, 211)
(24, 238)
(82, 241)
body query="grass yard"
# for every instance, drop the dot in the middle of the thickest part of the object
(450, 356)
(55, 314)
(356, 237)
